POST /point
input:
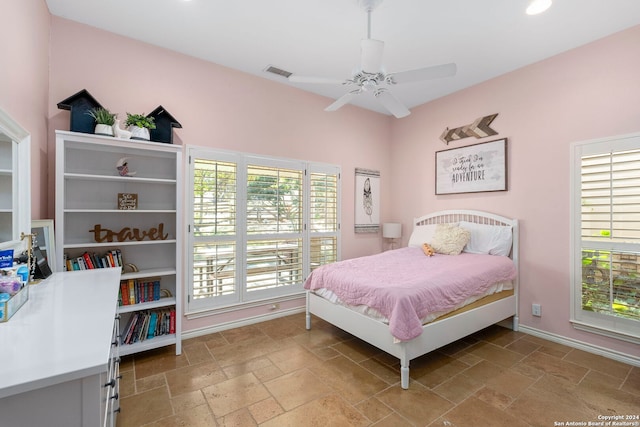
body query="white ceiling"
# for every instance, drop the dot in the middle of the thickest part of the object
(485, 38)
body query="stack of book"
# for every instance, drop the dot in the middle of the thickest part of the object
(147, 324)
(135, 291)
(89, 260)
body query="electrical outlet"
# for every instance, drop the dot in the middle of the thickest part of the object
(275, 306)
(536, 310)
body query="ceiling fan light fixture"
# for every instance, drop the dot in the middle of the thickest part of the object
(372, 51)
(538, 6)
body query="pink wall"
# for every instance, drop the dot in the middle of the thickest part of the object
(24, 73)
(222, 108)
(586, 93)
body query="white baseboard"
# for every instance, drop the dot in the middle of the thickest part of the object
(242, 322)
(590, 348)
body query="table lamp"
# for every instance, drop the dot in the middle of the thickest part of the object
(392, 231)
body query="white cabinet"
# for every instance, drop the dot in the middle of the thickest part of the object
(60, 367)
(15, 179)
(148, 237)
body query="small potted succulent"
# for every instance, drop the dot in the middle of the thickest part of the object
(139, 126)
(104, 121)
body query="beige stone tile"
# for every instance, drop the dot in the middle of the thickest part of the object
(265, 410)
(242, 351)
(187, 401)
(127, 363)
(475, 412)
(153, 381)
(199, 416)
(458, 388)
(434, 368)
(598, 363)
(127, 383)
(510, 383)
(387, 373)
(214, 340)
(316, 338)
(330, 410)
(197, 352)
(239, 418)
(356, 349)
(493, 397)
(483, 371)
(632, 382)
(350, 380)
(268, 373)
(251, 365)
(233, 394)
(194, 377)
(523, 346)
(156, 362)
(551, 399)
(393, 420)
(495, 354)
(297, 388)
(282, 328)
(417, 404)
(243, 333)
(325, 353)
(293, 358)
(549, 347)
(143, 408)
(607, 397)
(554, 366)
(374, 409)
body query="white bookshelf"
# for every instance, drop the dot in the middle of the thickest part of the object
(87, 187)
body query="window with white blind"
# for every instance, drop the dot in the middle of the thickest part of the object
(606, 237)
(259, 226)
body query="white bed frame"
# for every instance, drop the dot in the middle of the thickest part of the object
(436, 334)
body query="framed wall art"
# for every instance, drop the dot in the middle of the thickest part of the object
(472, 169)
(367, 200)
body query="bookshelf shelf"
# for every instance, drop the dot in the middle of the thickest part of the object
(87, 188)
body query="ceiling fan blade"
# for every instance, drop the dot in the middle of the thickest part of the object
(371, 55)
(344, 99)
(392, 104)
(321, 80)
(427, 73)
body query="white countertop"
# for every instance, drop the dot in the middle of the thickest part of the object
(62, 333)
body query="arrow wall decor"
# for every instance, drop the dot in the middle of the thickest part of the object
(480, 129)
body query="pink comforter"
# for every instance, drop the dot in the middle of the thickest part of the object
(405, 285)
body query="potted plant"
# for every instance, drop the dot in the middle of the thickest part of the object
(104, 121)
(139, 126)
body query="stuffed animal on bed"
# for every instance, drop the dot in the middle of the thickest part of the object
(427, 249)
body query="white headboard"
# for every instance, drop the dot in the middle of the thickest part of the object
(477, 217)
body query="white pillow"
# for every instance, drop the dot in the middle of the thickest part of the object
(450, 239)
(488, 239)
(422, 234)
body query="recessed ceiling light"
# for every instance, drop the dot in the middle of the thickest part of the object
(538, 6)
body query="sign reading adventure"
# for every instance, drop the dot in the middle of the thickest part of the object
(476, 168)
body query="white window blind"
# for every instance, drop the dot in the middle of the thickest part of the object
(607, 223)
(259, 225)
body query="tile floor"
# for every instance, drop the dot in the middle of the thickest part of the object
(278, 374)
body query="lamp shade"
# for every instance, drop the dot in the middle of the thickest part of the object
(391, 230)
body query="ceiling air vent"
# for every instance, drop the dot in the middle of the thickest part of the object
(278, 71)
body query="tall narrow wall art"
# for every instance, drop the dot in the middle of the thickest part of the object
(367, 201)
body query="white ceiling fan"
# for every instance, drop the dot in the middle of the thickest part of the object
(371, 77)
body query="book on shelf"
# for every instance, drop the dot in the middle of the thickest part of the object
(148, 324)
(91, 260)
(135, 291)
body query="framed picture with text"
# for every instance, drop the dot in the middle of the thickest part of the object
(472, 169)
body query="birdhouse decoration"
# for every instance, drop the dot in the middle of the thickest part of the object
(165, 123)
(79, 105)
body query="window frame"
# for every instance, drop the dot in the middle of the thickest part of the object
(241, 296)
(611, 326)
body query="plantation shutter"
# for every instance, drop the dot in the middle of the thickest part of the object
(610, 233)
(323, 222)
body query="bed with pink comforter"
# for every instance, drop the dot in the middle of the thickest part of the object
(405, 286)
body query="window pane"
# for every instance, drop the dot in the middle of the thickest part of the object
(324, 202)
(611, 283)
(214, 269)
(273, 263)
(274, 200)
(611, 197)
(324, 250)
(214, 198)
